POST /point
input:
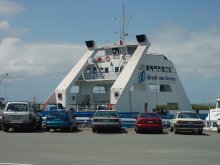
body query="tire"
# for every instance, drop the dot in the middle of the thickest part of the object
(218, 129)
(200, 132)
(161, 131)
(48, 129)
(93, 130)
(5, 129)
(71, 128)
(175, 130)
(171, 129)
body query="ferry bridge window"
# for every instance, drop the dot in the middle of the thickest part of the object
(108, 51)
(162, 68)
(115, 51)
(155, 68)
(122, 50)
(166, 69)
(151, 68)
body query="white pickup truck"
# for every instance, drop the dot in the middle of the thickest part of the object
(186, 121)
(18, 115)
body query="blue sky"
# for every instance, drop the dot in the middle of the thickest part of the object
(40, 41)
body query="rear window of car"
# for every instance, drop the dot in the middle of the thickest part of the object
(148, 115)
(188, 115)
(58, 113)
(106, 114)
(17, 107)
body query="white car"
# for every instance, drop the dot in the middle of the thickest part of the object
(218, 125)
(186, 121)
(20, 115)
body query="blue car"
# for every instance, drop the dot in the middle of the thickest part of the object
(61, 119)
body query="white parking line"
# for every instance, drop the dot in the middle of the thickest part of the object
(14, 164)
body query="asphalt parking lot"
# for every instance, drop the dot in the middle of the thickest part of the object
(126, 148)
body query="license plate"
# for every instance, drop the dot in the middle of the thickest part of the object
(16, 117)
(190, 122)
(57, 119)
(150, 122)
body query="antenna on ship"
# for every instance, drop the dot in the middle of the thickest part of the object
(122, 33)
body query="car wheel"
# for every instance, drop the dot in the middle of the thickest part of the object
(161, 131)
(5, 129)
(93, 130)
(218, 129)
(171, 129)
(48, 129)
(200, 132)
(71, 128)
(137, 130)
(175, 130)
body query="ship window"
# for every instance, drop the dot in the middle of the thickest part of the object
(122, 50)
(74, 89)
(162, 68)
(73, 98)
(121, 68)
(166, 69)
(99, 89)
(158, 69)
(116, 69)
(88, 70)
(94, 69)
(60, 96)
(147, 67)
(108, 51)
(151, 68)
(102, 70)
(115, 51)
(155, 68)
(165, 88)
(106, 70)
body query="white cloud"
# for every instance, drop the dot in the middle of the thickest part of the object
(7, 30)
(25, 60)
(194, 54)
(8, 8)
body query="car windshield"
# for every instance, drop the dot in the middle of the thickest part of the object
(17, 107)
(106, 114)
(188, 115)
(58, 113)
(148, 115)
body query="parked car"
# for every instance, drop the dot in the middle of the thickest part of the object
(106, 120)
(61, 119)
(186, 121)
(19, 115)
(148, 121)
(218, 125)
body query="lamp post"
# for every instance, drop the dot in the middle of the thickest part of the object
(209, 101)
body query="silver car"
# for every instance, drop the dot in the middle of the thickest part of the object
(20, 115)
(186, 121)
(106, 120)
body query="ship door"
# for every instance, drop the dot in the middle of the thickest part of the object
(145, 107)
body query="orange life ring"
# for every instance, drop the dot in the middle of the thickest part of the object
(107, 58)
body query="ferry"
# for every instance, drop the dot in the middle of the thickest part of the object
(124, 77)
(214, 114)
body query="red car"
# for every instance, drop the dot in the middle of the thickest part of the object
(148, 121)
